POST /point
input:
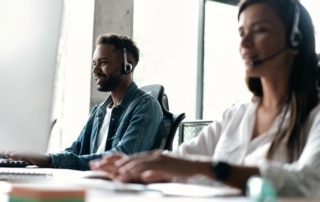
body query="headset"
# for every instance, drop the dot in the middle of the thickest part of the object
(295, 35)
(127, 68)
(294, 40)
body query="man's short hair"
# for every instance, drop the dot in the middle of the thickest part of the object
(120, 42)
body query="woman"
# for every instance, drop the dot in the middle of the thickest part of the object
(276, 135)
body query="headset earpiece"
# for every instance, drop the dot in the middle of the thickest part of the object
(127, 66)
(295, 36)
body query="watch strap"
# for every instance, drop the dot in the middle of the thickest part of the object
(221, 170)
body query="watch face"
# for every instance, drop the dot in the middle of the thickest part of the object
(221, 170)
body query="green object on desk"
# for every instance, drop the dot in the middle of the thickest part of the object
(24, 199)
(260, 190)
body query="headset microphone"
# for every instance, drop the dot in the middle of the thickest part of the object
(259, 62)
(127, 68)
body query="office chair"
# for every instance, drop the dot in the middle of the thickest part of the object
(171, 120)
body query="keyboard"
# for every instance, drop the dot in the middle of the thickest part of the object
(27, 173)
(12, 163)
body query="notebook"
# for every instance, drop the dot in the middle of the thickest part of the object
(29, 38)
(96, 180)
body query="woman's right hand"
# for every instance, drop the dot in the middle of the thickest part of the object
(107, 164)
(153, 166)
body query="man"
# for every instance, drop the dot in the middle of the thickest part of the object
(128, 121)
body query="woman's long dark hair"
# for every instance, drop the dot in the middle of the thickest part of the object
(302, 91)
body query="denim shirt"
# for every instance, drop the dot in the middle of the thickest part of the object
(136, 125)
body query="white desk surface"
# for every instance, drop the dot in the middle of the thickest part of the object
(102, 196)
(100, 190)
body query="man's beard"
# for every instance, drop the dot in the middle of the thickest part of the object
(110, 84)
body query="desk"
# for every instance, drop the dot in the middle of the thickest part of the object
(96, 191)
(102, 196)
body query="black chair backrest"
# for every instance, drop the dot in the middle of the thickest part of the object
(171, 121)
(157, 91)
(175, 120)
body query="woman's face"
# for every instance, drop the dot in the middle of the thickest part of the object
(263, 38)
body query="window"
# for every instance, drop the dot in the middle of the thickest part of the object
(166, 32)
(223, 68)
(313, 7)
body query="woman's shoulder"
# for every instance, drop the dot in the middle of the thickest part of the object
(240, 107)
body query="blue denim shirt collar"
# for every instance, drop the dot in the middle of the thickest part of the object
(125, 101)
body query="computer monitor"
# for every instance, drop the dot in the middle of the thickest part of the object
(29, 38)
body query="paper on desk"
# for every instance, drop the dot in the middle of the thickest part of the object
(5, 187)
(94, 183)
(170, 189)
(193, 190)
(94, 179)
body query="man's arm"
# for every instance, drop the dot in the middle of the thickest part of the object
(141, 134)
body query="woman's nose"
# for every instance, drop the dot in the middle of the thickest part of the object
(246, 40)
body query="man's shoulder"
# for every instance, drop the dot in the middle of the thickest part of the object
(137, 94)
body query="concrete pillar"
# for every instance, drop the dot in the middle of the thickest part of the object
(110, 16)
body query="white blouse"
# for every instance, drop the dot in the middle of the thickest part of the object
(229, 139)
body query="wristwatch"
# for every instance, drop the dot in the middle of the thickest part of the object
(221, 170)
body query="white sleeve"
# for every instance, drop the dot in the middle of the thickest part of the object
(301, 178)
(202, 146)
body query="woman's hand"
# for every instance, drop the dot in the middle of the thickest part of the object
(153, 166)
(107, 164)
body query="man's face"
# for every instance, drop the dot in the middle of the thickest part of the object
(107, 67)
